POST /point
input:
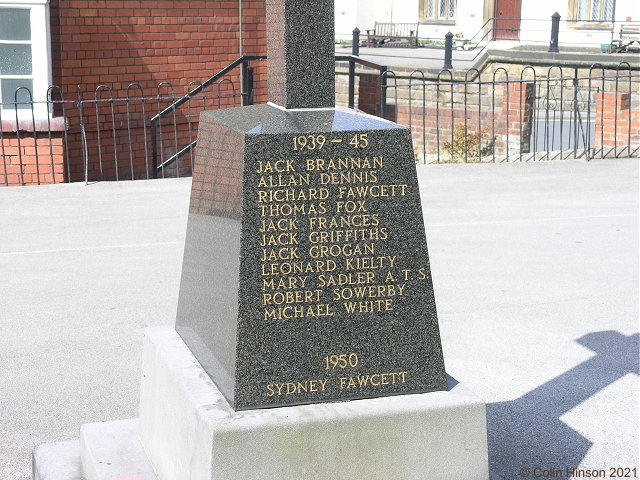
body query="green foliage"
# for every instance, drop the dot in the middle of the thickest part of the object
(468, 145)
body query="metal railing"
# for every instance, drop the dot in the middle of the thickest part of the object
(490, 116)
(246, 95)
(494, 117)
(534, 34)
(113, 135)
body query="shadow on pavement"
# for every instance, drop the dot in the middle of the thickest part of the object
(528, 433)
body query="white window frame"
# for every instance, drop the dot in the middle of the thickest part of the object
(574, 8)
(435, 17)
(40, 57)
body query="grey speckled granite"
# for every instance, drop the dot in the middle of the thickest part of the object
(296, 254)
(300, 47)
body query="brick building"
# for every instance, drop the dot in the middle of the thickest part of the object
(79, 45)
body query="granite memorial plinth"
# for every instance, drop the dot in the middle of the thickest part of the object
(306, 274)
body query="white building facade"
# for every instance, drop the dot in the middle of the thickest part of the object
(583, 22)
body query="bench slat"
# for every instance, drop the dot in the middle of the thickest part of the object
(393, 31)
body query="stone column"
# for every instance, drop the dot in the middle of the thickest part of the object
(300, 48)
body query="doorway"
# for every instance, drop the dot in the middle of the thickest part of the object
(506, 24)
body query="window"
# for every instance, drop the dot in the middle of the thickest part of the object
(434, 11)
(593, 10)
(24, 53)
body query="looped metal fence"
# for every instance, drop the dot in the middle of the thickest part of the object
(541, 114)
(503, 115)
(103, 134)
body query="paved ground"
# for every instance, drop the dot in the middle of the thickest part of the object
(419, 58)
(432, 58)
(535, 268)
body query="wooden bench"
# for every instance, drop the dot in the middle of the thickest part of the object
(392, 34)
(629, 34)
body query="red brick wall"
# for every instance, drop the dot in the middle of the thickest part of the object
(31, 161)
(118, 42)
(616, 120)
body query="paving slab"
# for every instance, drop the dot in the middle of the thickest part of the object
(57, 461)
(535, 270)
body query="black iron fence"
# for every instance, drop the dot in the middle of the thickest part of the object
(497, 116)
(505, 116)
(104, 134)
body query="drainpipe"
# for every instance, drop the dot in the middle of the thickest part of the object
(240, 27)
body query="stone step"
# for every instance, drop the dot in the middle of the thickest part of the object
(57, 461)
(113, 451)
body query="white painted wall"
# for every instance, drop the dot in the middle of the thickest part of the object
(364, 13)
(536, 23)
(535, 26)
(627, 11)
(469, 20)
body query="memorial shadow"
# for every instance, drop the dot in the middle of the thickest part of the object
(528, 433)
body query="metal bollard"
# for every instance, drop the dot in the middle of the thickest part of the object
(355, 51)
(448, 50)
(555, 29)
(355, 43)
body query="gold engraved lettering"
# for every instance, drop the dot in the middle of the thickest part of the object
(352, 278)
(345, 221)
(369, 306)
(292, 195)
(275, 254)
(373, 380)
(291, 297)
(298, 311)
(272, 181)
(292, 210)
(351, 206)
(366, 292)
(285, 283)
(346, 250)
(270, 240)
(282, 224)
(276, 166)
(370, 263)
(347, 163)
(349, 177)
(359, 140)
(341, 361)
(351, 235)
(297, 268)
(388, 190)
(296, 388)
(309, 142)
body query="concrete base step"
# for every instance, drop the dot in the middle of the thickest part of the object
(106, 451)
(57, 461)
(112, 450)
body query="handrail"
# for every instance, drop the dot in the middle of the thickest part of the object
(482, 29)
(358, 60)
(353, 59)
(205, 84)
(241, 61)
